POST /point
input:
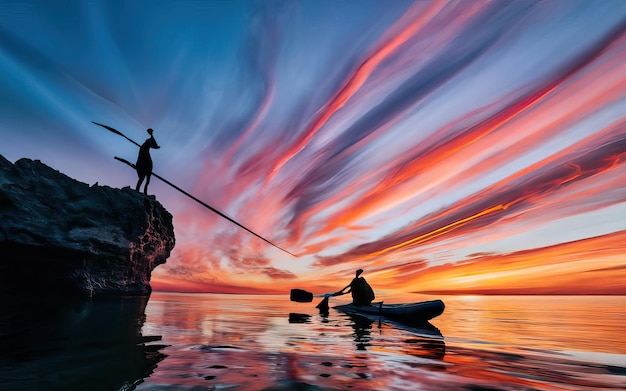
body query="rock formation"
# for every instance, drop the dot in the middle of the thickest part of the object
(61, 236)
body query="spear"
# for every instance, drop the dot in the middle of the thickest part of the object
(212, 209)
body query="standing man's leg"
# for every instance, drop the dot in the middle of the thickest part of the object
(145, 189)
(139, 182)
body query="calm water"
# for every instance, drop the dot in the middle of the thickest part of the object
(219, 342)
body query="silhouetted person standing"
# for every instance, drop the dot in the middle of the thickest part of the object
(144, 162)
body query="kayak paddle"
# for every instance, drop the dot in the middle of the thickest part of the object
(302, 296)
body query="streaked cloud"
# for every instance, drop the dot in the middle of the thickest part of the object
(467, 146)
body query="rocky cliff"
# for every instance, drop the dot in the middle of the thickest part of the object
(61, 236)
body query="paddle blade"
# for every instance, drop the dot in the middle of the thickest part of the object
(301, 296)
(323, 306)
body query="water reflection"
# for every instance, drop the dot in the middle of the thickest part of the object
(267, 343)
(295, 317)
(362, 331)
(63, 344)
(427, 342)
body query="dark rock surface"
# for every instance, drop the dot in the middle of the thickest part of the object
(61, 236)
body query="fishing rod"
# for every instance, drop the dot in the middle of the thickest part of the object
(212, 209)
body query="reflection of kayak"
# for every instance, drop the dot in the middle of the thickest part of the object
(408, 313)
(422, 328)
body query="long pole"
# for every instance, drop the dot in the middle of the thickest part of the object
(117, 132)
(187, 194)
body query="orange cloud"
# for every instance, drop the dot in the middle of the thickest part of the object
(588, 266)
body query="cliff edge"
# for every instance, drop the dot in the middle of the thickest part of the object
(61, 236)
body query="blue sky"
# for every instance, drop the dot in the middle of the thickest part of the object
(354, 133)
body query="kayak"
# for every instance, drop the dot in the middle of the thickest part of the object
(408, 313)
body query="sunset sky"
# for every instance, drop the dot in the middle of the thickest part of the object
(466, 146)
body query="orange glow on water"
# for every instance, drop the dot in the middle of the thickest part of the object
(502, 341)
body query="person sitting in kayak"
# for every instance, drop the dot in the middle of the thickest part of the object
(362, 292)
(144, 162)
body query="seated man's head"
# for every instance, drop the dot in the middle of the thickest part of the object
(358, 272)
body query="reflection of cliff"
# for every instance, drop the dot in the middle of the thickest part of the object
(76, 345)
